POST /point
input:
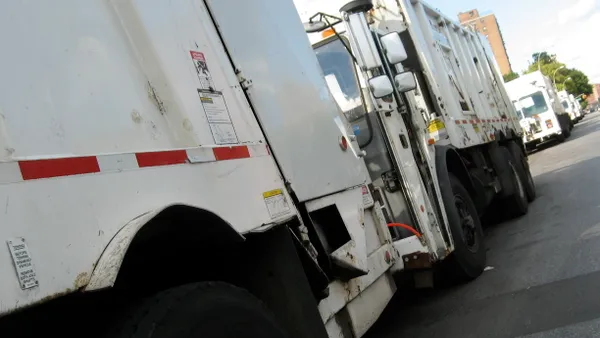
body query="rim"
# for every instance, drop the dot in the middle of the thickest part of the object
(520, 188)
(467, 224)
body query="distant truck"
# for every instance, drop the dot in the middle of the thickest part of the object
(571, 106)
(542, 116)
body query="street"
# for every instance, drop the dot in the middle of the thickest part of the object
(543, 278)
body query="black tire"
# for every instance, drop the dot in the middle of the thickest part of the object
(469, 257)
(522, 166)
(516, 204)
(211, 310)
(567, 133)
(560, 138)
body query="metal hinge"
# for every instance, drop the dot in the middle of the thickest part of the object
(246, 83)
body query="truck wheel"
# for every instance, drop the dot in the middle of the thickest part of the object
(209, 309)
(469, 257)
(515, 205)
(522, 167)
(567, 132)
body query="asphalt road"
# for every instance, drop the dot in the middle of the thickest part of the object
(544, 268)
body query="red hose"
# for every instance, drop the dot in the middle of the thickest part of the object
(407, 227)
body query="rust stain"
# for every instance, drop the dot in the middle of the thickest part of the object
(351, 256)
(81, 280)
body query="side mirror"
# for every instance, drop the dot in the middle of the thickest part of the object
(394, 49)
(314, 26)
(405, 82)
(381, 86)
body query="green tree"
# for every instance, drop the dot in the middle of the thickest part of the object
(572, 80)
(510, 76)
(579, 83)
(539, 60)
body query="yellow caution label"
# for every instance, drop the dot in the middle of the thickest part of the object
(476, 128)
(206, 99)
(272, 193)
(435, 125)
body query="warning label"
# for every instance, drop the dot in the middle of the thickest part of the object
(218, 117)
(367, 198)
(277, 204)
(206, 81)
(213, 103)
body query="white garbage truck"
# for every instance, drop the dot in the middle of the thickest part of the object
(190, 169)
(449, 118)
(571, 106)
(542, 113)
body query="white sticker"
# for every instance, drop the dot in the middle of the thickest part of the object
(22, 262)
(218, 117)
(276, 202)
(223, 133)
(367, 198)
(214, 107)
(206, 81)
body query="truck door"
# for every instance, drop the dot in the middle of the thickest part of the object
(290, 98)
(343, 82)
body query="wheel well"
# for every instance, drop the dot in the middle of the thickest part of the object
(182, 246)
(161, 250)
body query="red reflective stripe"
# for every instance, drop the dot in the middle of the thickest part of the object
(34, 169)
(231, 153)
(159, 158)
(464, 121)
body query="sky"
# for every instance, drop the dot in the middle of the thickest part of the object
(568, 28)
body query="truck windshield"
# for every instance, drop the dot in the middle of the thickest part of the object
(339, 71)
(533, 104)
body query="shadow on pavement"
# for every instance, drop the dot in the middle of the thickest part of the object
(550, 254)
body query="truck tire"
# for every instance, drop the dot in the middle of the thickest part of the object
(208, 309)
(522, 166)
(516, 204)
(567, 132)
(469, 257)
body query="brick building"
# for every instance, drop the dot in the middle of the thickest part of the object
(593, 98)
(488, 26)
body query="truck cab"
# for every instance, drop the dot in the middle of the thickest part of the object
(542, 117)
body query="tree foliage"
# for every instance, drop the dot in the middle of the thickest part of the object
(510, 76)
(572, 80)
